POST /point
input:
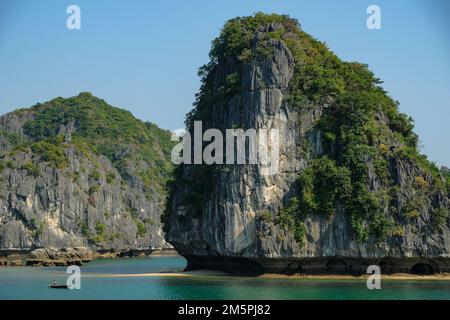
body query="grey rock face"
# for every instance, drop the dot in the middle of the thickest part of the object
(230, 233)
(71, 207)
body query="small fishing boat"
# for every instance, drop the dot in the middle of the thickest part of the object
(57, 285)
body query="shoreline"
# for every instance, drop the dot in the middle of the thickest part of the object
(21, 260)
(212, 273)
(394, 276)
(51, 257)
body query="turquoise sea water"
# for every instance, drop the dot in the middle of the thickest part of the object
(32, 283)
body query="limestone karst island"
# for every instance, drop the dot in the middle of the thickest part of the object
(86, 183)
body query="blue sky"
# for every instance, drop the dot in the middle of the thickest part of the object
(143, 55)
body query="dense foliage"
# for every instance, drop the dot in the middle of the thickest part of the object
(88, 127)
(363, 133)
(102, 129)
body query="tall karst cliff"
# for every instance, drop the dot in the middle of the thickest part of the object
(77, 172)
(352, 188)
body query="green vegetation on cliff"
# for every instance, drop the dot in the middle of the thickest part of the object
(101, 129)
(365, 138)
(92, 162)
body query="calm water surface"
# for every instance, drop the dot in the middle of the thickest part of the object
(32, 283)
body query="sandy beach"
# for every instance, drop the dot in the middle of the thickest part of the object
(212, 273)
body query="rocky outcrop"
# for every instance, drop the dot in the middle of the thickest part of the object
(60, 191)
(49, 257)
(59, 257)
(237, 228)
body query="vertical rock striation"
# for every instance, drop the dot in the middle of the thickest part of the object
(77, 172)
(338, 202)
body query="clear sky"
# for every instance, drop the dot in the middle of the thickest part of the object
(143, 55)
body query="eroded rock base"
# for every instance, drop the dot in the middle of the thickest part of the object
(50, 257)
(317, 266)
